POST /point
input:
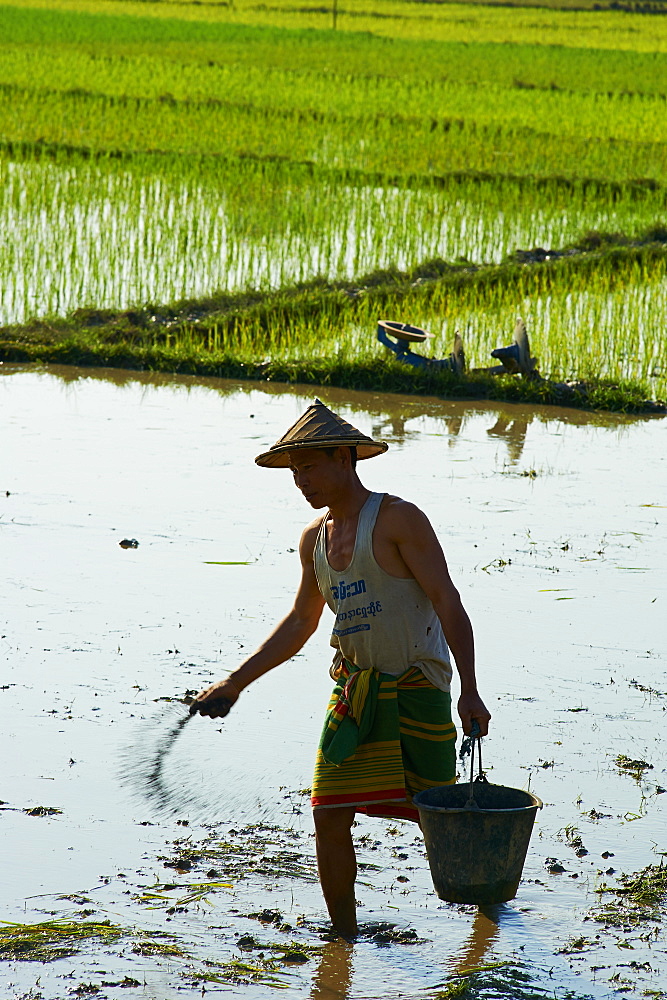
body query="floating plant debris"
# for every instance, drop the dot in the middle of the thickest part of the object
(44, 942)
(241, 973)
(43, 811)
(149, 946)
(255, 850)
(575, 945)
(641, 898)
(635, 767)
(218, 562)
(292, 951)
(646, 689)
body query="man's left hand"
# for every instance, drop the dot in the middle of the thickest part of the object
(471, 707)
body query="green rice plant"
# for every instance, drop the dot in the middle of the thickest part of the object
(126, 54)
(587, 135)
(148, 73)
(606, 29)
(113, 236)
(358, 102)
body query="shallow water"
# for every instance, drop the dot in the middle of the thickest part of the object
(553, 522)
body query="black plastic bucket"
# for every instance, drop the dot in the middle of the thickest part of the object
(476, 851)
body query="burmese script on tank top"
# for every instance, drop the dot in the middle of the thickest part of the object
(381, 621)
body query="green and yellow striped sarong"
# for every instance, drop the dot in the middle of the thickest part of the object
(384, 739)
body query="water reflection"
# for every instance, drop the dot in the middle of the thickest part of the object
(395, 418)
(383, 406)
(394, 429)
(483, 933)
(512, 429)
(390, 416)
(332, 979)
(333, 976)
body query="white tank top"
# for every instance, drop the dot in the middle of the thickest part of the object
(382, 621)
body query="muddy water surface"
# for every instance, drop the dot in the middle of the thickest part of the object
(554, 527)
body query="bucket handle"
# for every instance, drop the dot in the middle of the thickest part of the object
(468, 746)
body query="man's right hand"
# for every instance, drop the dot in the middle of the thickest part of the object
(216, 700)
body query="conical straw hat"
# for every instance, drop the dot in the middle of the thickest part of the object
(319, 427)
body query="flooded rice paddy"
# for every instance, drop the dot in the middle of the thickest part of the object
(113, 238)
(553, 522)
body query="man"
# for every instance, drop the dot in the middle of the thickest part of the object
(375, 560)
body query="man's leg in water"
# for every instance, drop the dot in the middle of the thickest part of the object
(337, 866)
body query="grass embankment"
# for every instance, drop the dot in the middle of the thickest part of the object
(288, 335)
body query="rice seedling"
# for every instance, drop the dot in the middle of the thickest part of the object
(597, 315)
(93, 234)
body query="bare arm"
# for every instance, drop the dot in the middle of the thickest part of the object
(285, 640)
(422, 553)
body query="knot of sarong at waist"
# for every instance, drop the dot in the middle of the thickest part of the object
(351, 711)
(352, 714)
(356, 688)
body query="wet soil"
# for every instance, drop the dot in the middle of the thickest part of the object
(553, 522)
